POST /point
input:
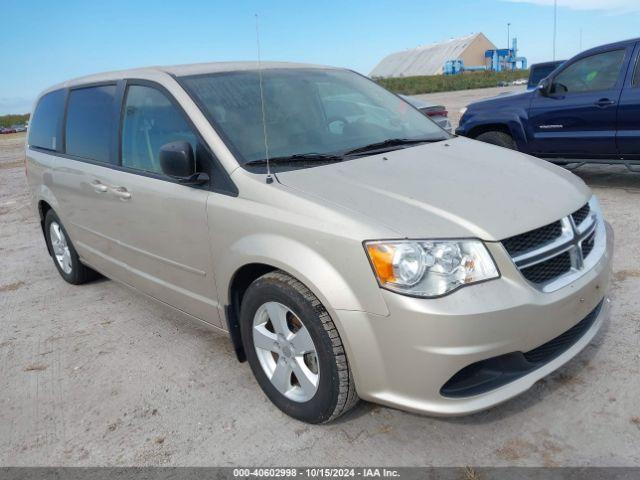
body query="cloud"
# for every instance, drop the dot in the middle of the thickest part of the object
(611, 6)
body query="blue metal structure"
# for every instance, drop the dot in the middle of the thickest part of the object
(497, 60)
(506, 58)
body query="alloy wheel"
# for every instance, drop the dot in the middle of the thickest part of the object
(60, 247)
(286, 351)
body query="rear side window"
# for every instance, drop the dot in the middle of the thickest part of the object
(89, 128)
(590, 74)
(44, 129)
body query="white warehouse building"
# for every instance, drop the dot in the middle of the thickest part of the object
(430, 59)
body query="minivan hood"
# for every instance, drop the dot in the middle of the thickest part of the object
(454, 188)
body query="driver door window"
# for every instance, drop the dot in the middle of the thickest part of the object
(150, 121)
(590, 74)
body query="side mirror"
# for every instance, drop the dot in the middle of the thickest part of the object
(177, 160)
(544, 87)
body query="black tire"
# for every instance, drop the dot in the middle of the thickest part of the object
(500, 139)
(79, 273)
(335, 393)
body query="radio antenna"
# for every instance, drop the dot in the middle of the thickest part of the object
(264, 114)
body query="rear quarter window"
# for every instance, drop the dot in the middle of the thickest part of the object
(89, 128)
(44, 128)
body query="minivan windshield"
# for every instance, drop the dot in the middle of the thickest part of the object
(312, 115)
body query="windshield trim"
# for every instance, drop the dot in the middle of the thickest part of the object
(239, 157)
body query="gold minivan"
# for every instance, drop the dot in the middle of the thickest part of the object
(349, 246)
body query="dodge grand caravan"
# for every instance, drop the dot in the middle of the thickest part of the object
(349, 246)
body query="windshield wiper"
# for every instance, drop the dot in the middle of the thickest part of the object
(391, 142)
(299, 157)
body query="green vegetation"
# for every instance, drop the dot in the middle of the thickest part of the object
(13, 119)
(449, 83)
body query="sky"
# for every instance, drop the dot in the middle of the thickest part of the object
(46, 41)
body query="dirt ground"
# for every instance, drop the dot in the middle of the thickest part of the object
(98, 375)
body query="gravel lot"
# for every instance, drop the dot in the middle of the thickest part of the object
(98, 375)
(454, 101)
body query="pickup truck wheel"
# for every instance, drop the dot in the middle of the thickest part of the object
(64, 255)
(295, 350)
(498, 138)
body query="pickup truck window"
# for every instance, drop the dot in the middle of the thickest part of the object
(540, 71)
(590, 74)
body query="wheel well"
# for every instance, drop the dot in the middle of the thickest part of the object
(495, 127)
(43, 208)
(244, 277)
(240, 282)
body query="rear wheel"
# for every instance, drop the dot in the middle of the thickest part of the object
(64, 255)
(295, 350)
(500, 139)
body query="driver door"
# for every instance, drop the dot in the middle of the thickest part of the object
(577, 118)
(159, 228)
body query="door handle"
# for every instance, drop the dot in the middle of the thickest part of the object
(99, 187)
(605, 102)
(122, 193)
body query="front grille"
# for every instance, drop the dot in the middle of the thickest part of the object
(588, 244)
(581, 214)
(533, 239)
(553, 348)
(557, 250)
(548, 270)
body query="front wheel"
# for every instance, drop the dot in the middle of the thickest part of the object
(500, 139)
(295, 350)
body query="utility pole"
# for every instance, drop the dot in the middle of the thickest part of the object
(555, 25)
(580, 40)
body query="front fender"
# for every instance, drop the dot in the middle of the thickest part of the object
(506, 111)
(358, 293)
(518, 131)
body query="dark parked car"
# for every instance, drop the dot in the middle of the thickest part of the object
(7, 130)
(587, 110)
(539, 71)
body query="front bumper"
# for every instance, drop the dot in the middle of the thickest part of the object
(461, 130)
(404, 359)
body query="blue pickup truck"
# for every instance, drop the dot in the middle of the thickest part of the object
(585, 111)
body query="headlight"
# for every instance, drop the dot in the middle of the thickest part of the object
(430, 268)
